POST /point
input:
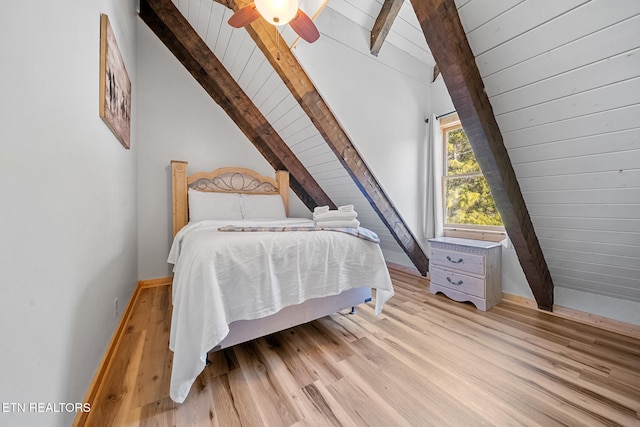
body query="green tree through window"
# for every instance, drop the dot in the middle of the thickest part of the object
(468, 200)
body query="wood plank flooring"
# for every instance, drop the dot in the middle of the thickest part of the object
(426, 361)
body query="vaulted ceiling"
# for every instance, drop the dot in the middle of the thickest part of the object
(563, 81)
(288, 99)
(550, 94)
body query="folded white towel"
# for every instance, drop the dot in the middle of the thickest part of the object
(354, 223)
(334, 216)
(321, 209)
(346, 208)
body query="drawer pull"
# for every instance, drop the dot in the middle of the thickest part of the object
(455, 262)
(458, 283)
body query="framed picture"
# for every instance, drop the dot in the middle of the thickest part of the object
(115, 86)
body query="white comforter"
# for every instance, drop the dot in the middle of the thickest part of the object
(221, 277)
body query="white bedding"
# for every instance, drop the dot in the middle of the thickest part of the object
(221, 277)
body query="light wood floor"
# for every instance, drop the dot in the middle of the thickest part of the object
(425, 361)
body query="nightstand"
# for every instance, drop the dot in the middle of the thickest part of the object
(467, 270)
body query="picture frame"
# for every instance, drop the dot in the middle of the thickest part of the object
(115, 86)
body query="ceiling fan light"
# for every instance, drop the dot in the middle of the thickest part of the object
(277, 12)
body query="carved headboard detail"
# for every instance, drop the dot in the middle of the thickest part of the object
(234, 181)
(225, 180)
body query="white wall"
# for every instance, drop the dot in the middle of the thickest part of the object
(69, 213)
(178, 120)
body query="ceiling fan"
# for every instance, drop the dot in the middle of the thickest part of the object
(277, 12)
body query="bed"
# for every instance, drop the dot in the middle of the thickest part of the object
(244, 269)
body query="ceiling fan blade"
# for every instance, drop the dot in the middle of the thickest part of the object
(304, 27)
(244, 16)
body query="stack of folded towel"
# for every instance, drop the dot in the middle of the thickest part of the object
(343, 217)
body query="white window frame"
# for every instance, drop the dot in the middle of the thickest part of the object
(467, 231)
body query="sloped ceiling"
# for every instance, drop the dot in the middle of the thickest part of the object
(295, 112)
(563, 82)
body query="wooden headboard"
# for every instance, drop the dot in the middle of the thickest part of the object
(222, 180)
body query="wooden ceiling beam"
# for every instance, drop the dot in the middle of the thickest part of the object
(383, 24)
(302, 88)
(449, 45)
(166, 21)
(436, 72)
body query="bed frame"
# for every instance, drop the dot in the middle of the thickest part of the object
(247, 181)
(222, 180)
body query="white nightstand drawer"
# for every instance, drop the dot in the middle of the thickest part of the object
(460, 261)
(457, 281)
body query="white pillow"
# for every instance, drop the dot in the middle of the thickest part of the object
(262, 206)
(206, 205)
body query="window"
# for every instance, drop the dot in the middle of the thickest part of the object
(469, 208)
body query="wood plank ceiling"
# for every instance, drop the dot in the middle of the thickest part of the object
(564, 84)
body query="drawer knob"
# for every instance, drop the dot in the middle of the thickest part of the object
(458, 283)
(453, 261)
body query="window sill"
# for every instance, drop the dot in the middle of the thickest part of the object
(467, 233)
